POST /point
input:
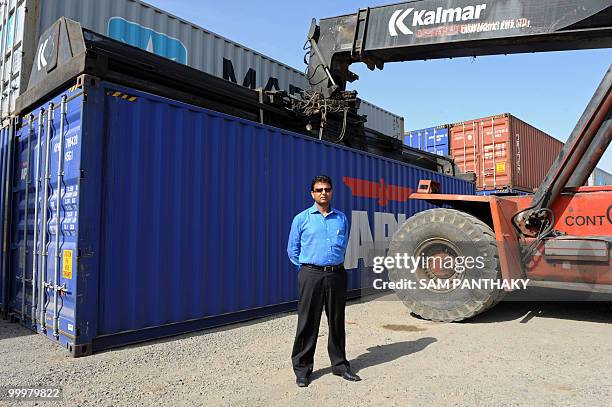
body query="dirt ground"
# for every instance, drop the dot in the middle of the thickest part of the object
(536, 353)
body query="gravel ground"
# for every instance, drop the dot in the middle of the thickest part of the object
(516, 354)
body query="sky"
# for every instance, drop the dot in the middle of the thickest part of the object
(547, 90)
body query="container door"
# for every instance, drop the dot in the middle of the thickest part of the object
(494, 138)
(415, 139)
(21, 225)
(432, 143)
(45, 194)
(465, 147)
(408, 139)
(437, 141)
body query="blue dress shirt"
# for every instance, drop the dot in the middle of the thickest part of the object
(317, 239)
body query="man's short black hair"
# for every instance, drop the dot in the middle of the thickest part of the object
(321, 178)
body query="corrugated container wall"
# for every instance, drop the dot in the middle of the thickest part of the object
(432, 139)
(599, 178)
(381, 120)
(163, 235)
(504, 152)
(150, 28)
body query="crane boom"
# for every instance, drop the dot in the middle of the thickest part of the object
(431, 29)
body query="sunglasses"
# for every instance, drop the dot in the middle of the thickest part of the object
(319, 190)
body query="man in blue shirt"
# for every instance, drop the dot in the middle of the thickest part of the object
(317, 244)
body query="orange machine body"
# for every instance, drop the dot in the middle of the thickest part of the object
(579, 254)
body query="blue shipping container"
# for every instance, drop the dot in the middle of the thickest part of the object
(6, 144)
(510, 191)
(433, 140)
(175, 218)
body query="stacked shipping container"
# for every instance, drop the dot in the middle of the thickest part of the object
(433, 140)
(139, 24)
(523, 154)
(600, 177)
(504, 152)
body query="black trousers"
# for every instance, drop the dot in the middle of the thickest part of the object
(320, 289)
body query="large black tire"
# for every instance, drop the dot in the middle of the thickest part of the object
(453, 233)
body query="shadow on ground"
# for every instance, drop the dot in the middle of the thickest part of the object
(577, 306)
(13, 330)
(381, 354)
(547, 303)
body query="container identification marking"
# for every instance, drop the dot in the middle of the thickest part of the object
(67, 264)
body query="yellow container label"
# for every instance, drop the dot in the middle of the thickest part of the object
(67, 264)
(500, 167)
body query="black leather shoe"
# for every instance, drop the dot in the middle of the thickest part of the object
(348, 375)
(302, 381)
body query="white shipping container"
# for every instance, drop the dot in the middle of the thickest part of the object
(599, 178)
(142, 25)
(381, 120)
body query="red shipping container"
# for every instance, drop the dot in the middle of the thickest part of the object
(504, 152)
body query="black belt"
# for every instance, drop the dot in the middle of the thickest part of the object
(337, 267)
